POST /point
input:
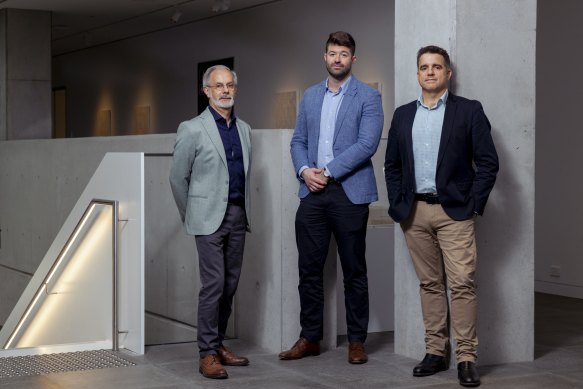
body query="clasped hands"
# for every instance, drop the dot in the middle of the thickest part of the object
(315, 179)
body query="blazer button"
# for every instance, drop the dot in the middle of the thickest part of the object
(225, 199)
(227, 182)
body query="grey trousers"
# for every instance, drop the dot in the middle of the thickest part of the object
(220, 256)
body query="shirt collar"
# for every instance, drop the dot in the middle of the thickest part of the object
(442, 100)
(343, 88)
(217, 116)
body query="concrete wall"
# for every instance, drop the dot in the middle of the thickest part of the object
(277, 47)
(2, 74)
(559, 265)
(267, 296)
(493, 52)
(25, 83)
(41, 180)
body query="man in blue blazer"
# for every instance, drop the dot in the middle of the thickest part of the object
(210, 183)
(337, 132)
(440, 167)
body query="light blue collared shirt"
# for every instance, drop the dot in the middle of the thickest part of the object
(426, 137)
(330, 107)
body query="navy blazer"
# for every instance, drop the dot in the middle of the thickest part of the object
(467, 162)
(359, 125)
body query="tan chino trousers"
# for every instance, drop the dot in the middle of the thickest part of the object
(444, 249)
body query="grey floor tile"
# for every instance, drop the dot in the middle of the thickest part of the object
(559, 359)
(508, 370)
(136, 377)
(28, 382)
(558, 364)
(170, 352)
(535, 381)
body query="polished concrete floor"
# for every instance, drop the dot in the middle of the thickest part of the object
(558, 364)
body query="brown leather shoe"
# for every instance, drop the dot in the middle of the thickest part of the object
(356, 353)
(229, 358)
(302, 348)
(210, 367)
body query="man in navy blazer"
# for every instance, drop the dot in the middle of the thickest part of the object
(337, 132)
(440, 167)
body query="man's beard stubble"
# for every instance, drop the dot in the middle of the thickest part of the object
(223, 103)
(338, 75)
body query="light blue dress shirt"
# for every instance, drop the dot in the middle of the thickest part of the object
(330, 107)
(426, 137)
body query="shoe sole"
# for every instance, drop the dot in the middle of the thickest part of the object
(428, 374)
(303, 356)
(357, 362)
(217, 377)
(235, 364)
(472, 385)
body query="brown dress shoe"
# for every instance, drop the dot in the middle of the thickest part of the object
(356, 353)
(210, 367)
(302, 348)
(229, 358)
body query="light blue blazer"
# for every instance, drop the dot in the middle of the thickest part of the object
(359, 126)
(199, 176)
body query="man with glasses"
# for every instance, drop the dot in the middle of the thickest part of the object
(210, 182)
(337, 132)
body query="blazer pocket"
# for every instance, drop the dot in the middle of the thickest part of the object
(196, 196)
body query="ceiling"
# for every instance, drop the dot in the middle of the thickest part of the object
(78, 24)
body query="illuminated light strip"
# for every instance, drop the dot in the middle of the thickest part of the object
(68, 246)
(25, 316)
(45, 283)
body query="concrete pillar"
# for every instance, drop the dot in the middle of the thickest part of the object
(492, 47)
(25, 74)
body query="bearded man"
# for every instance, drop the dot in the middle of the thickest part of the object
(210, 183)
(338, 130)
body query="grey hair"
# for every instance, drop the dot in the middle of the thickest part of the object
(206, 78)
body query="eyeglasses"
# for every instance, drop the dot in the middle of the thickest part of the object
(230, 86)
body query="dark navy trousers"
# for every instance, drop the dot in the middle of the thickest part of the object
(318, 216)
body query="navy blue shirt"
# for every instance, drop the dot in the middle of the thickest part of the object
(234, 152)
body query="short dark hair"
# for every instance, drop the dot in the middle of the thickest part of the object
(434, 50)
(341, 38)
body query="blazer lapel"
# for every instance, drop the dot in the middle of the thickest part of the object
(447, 128)
(410, 117)
(318, 101)
(210, 126)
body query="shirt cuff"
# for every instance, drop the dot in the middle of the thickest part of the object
(301, 171)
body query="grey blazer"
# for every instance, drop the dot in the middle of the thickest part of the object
(199, 176)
